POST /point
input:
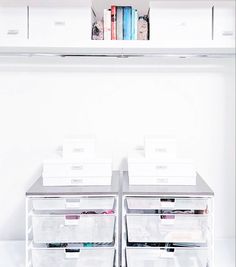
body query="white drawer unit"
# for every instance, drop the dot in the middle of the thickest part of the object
(62, 172)
(179, 22)
(13, 23)
(169, 226)
(73, 226)
(144, 171)
(72, 257)
(79, 147)
(61, 23)
(224, 23)
(160, 148)
(173, 257)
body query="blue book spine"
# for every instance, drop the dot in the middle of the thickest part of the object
(133, 24)
(127, 23)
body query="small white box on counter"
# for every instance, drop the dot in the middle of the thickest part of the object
(180, 21)
(160, 147)
(59, 172)
(143, 171)
(79, 147)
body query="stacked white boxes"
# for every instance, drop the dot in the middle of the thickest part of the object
(160, 165)
(78, 165)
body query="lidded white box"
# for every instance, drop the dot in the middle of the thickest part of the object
(224, 23)
(62, 22)
(79, 147)
(13, 23)
(158, 147)
(180, 21)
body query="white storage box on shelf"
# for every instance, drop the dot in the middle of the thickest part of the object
(79, 147)
(59, 172)
(13, 23)
(68, 23)
(144, 171)
(172, 257)
(176, 22)
(160, 148)
(224, 23)
(99, 257)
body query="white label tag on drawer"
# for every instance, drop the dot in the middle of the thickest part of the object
(72, 253)
(167, 219)
(167, 253)
(72, 204)
(167, 203)
(71, 220)
(77, 181)
(78, 150)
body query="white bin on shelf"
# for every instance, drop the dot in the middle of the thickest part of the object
(99, 257)
(73, 228)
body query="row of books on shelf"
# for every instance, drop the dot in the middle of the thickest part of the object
(121, 23)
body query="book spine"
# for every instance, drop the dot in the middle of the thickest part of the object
(119, 23)
(113, 23)
(136, 25)
(127, 23)
(107, 24)
(133, 24)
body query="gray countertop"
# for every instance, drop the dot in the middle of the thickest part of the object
(38, 189)
(200, 189)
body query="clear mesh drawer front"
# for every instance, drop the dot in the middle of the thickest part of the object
(103, 257)
(167, 228)
(73, 228)
(178, 257)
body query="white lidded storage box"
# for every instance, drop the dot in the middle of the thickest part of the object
(13, 23)
(163, 257)
(176, 22)
(99, 257)
(160, 148)
(167, 228)
(67, 23)
(59, 172)
(151, 203)
(224, 23)
(79, 147)
(144, 171)
(92, 228)
(82, 203)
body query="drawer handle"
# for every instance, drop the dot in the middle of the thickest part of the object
(71, 220)
(12, 32)
(73, 204)
(167, 203)
(72, 253)
(77, 167)
(161, 167)
(167, 253)
(59, 23)
(160, 150)
(167, 219)
(78, 150)
(76, 181)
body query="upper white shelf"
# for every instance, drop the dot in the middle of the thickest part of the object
(115, 48)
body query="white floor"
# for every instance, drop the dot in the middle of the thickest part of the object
(12, 253)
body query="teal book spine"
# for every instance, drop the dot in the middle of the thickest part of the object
(119, 23)
(127, 24)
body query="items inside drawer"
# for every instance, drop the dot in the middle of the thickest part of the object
(165, 205)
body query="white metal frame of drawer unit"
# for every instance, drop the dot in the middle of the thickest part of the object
(29, 229)
(210, 246)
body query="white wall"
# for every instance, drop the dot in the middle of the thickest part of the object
(40, 103)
